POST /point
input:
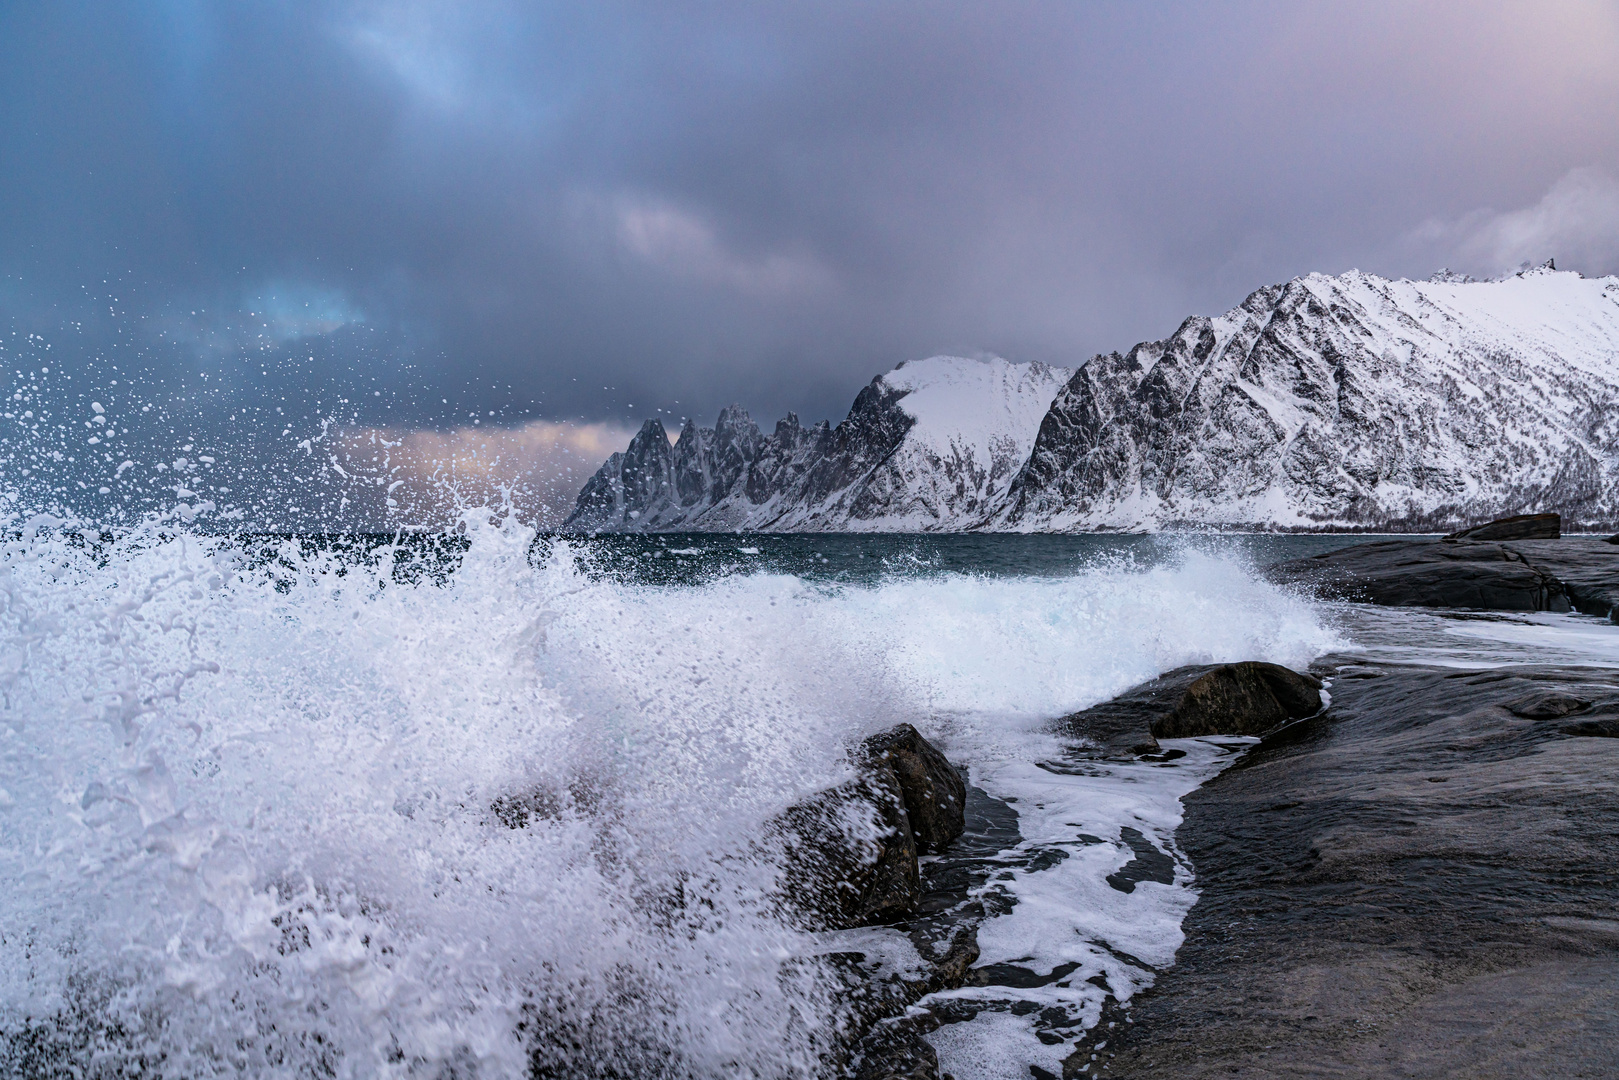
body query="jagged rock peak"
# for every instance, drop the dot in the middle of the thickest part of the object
(1322, 402)
(932, 444)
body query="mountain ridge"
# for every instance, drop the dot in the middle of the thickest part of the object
(1325, 402)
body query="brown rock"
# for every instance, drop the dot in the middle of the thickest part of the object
(851, 856)
(1249, 698)
(852, 849)
(934, 793)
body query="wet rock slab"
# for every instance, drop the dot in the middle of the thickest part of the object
(1518, 527)
(1423, 881)
(1587, 566)
(852, 851)
(1428, 573)
(1579, 573)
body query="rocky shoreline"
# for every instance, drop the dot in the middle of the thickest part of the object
(1578, 573)
(1421, 881)
(1414, 873)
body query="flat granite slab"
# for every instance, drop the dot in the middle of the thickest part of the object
(1423, 881)
(1573, 573)
(1588, 567)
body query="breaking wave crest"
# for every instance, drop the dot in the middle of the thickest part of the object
(275, 809)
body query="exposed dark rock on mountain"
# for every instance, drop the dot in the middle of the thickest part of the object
(703, 480)
(1425, 886)
(1247, 698)
(1325, 402)
(1428, 573)
(1520, 527)
(930, 445)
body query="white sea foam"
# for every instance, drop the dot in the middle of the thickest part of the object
(247, 828)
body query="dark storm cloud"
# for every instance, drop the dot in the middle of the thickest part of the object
(595, 211)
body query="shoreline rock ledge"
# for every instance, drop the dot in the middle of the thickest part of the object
(1515, 564)
(1424, 885)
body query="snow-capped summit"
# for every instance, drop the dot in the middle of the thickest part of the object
(1344, 401)
(1322, 402)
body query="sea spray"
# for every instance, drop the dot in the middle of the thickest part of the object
(253, 789)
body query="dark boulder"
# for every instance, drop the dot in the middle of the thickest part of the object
(1428, 573)
(1202, 699)
(851, 851)
(934, 793)
(1520, 527)
(850, 854)
(1249, 698)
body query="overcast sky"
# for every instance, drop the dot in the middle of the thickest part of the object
(591, 212)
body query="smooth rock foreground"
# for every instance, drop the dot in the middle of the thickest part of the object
(1420, 881)
(1570, 573)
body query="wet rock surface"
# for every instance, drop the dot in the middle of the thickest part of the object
(935, 795)
(1428, 573)
(1587, 566)
(1422, 882)
(1579, 573)
(852, 850)
(1247, 698)
(1518, 527)
(853, 862)
(851, 856)
(943, 930)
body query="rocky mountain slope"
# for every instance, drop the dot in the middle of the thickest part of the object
(1349, 401)
(932, 445)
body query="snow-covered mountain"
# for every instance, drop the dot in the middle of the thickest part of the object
(1324, 402)
(1344, 401)
(932, 445)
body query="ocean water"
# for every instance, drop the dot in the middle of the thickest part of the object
(250, 786)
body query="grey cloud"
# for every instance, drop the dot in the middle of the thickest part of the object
(1576, 222)
(595, 212)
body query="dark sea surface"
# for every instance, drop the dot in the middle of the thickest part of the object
(688, 558)
(677, 559)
